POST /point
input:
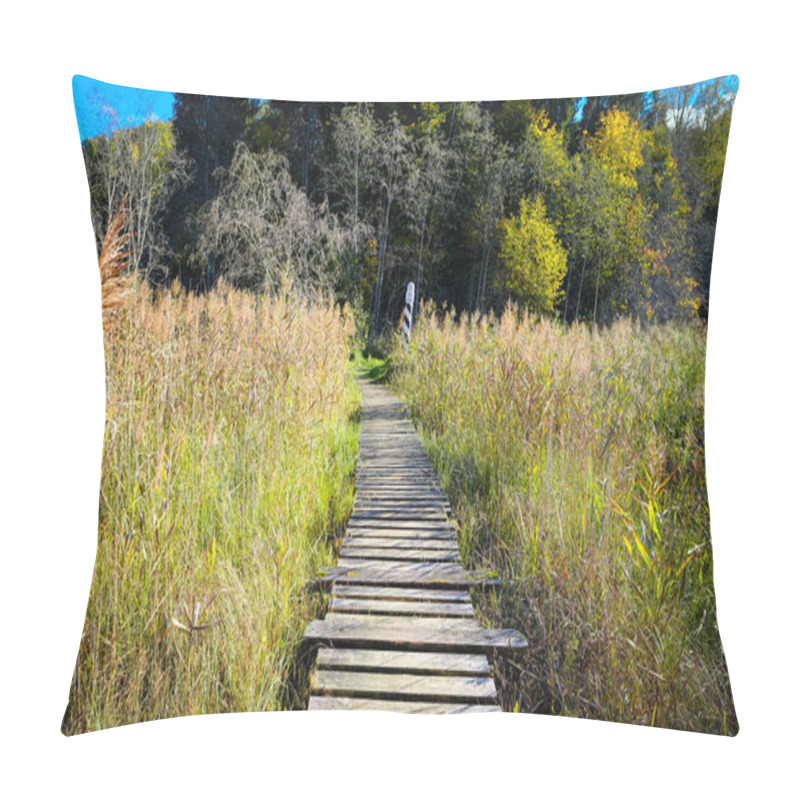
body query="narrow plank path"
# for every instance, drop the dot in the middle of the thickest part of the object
(401, 633)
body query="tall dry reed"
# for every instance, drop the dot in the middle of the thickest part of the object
(575, 463)
(114, 261)
(227, 471)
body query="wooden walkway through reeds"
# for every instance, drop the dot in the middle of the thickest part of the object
(401, 634)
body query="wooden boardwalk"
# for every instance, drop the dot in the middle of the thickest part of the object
(401, 634)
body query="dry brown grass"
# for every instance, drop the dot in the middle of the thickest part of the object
(575, 463)
(114, 261)
(226, 475)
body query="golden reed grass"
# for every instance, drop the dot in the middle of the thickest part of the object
(227, 472)
(113, 262)
(575, 463)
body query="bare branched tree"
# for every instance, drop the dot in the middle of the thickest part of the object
(266, 232)
(394, 159)
(142, 167)
(348, 178)
(428, 187)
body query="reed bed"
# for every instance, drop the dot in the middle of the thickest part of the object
(228, 462)
(574, 461)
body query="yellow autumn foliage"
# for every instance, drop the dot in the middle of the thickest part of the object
(534, 260)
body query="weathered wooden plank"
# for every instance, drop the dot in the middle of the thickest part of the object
(409, 473)
(416, 556)
(396, 433)
(401, 543)
(421, 476)
(413, 454)
(376, 446)
(390, 686)
(362, 508)
(399, 513)
(401, 593)
(393, 480)
(390, 501)
(402, 494)
(399, 485)
(390, 554)
(441, 534)
(378, 442)
(397, 488)
(422, 576)
(395, 472)
(394, 448)
(375, 469)
(409, 524)
(395, 485)
(390, 445)
(349, 563)
(417, 479)
(404, 470)
(429, 489)
(362, 505)
(364, 631)
(383, 470)
(398, 464)
(366, 621)
(402, 426)
(407, 439)
(392, 431)
(364, 704)
(414, 573)
(403, 661)
(399, 432)
(401, 608)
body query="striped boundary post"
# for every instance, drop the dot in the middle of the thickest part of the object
(407, 316)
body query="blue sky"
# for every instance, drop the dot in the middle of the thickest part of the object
(101, 107)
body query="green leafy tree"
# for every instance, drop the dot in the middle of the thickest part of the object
(393, 162)
(481, 176)
(206, 130)
(427, 188)
(533, 258)
(613, 218)
(347, 179)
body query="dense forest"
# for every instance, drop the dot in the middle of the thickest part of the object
(584, 208)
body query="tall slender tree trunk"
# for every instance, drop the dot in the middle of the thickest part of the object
(480, 288)
(596, 295)
(418, 285)
(580, 285)
(355, 272)
(307, 150)
(483, 277)
(381, 264)
(216, 188)
(569, 274)
(355, 196)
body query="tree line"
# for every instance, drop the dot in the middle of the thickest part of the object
(585, 208)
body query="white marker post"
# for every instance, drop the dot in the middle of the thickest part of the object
(409, 312)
